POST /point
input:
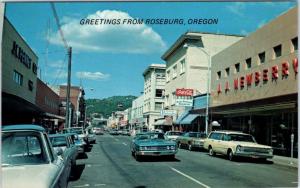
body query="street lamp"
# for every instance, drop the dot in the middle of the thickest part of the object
(208, 83)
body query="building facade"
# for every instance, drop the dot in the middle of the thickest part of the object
(187, 62)
(137, 118)
(254, 84)
(154, 88)
(48, 101)
(78, 102)
(19, 78)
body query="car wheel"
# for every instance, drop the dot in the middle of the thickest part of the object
(137, 157)
(211, 151)
(230, 155)
(190, 147)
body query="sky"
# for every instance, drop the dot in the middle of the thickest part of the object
(109, 59)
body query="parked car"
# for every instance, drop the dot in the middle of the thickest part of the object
(78, 130)
(91, 137)
(191, 140)
(236, 144)
(152, 144)
(173, 135)
(66, 143)
(79, 143)
(29, 160)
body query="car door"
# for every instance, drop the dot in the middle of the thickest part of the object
(60, 179)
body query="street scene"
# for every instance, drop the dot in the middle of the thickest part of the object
(110, 164)
(149, 94)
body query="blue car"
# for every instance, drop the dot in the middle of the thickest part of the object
(152, 144)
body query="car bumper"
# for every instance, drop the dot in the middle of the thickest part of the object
(156, 153)
(254, 155)
(198, 146)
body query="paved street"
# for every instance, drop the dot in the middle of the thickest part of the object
(110, 164)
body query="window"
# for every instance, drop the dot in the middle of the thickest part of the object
(227, 70)
(182, 66)
(175, 71)
(158, 106)
(168, 75)
(277, 51)
(248, 63)
(219, 75)
(18, 78)
(295, 44)
(30, 85)
(34, 68)
(237, 67)
(262, 57)
(159, 93)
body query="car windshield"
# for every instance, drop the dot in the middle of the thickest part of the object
(198, 135)
(58, 141)
(241, 137)
(19, 148)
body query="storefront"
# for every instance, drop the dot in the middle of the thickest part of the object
(254, 86)
(19, 79)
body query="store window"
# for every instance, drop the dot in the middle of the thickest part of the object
(277, 51)
(218, 75)
(175, 71)
(237, 67)
(159, 93)
(248, 63)
(227, 71)
(295, 44)
(30, 85)
(262, 57)
(182, 66)
(18, 78)
(158, 106)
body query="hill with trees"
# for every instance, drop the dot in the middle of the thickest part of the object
(108, 105)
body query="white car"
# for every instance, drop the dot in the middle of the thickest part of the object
(236, 144)
(172, 135)
(28, 159)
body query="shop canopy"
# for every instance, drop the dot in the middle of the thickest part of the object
(181, 117)
(188, 119)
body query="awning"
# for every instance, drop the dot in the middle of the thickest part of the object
(159, 122)
(188, 119)
(54, 116)
(163, 122)
(181, 117)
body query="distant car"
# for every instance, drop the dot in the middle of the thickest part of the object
(191, 140)
(28, 158)
(113, 132)
(173, 135)
(236, 144)
(152, 144)
(66, 143)
(98, 131)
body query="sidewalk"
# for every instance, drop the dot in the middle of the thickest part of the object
(286, 161)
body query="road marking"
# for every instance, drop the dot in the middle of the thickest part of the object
(96, 185)
(85, 185)
(116, 139)
(88, 165)
(124, 143)
(189, 177)
(295, 182)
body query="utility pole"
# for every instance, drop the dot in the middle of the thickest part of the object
(68, 120)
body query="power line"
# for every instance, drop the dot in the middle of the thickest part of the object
(59, 26)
